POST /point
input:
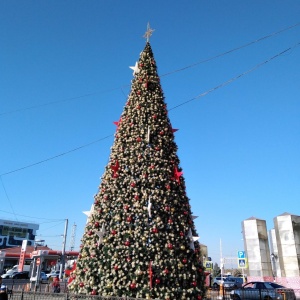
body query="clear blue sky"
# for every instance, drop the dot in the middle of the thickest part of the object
(64, 79)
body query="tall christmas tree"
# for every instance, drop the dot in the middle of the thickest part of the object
(140, 240)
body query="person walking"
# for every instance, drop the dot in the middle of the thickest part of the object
(56, 285)
(3, 291)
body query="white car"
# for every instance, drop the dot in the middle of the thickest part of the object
(53, 274)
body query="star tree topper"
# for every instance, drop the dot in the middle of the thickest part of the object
(148, 33)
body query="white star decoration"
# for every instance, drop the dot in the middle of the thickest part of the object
(135, 69)
(192, 239)
(149, 208)
(101, 234)
(88, 213)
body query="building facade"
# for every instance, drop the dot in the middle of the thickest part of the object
(12, 233)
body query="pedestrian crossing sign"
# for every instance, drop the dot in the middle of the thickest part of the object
(242, 263)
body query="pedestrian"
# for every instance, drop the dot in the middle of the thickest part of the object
(56, 285)
(3, 291)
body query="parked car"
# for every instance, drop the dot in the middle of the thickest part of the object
(43, 278)
(220, 280)
(53, 274)
(5, 276)
(257, 290)
(20, 275)
(231, 283)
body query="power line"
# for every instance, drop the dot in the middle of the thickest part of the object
(166, 74)
(177, 106)
(56, 156)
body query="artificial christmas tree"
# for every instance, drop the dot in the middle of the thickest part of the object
(140, 239)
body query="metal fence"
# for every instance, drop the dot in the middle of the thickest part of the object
(41, 293)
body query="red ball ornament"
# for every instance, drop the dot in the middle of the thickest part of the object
(154, 116)
(126, 207)
(129, 219)
(185, 212)
(181, 233)
(96, 224)
(162, 133)
(138, 139)
(116, 268)
(184, 260)
(113, 232)
(167, 208)
(136, 197)
(199, 297)
(170, 221)
(128, 258)
(90, 232)
(132, 285)
(81, 284)
(166, 271)
(155, 230)
(194, 283)
(132, 184)
(157, 281)
(170, 246)
(94, 292)
(96, 201)
(127, 243)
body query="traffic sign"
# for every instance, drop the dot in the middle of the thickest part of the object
(208, 265)
(242, 263)
(241, 254)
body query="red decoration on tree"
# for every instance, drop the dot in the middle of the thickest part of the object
(127, 243)
(113, 232)
(116, 268)
(96, 224)
(177, 174)
(155, 230)
(184, 260)
(150, 274)
(129, 219)
(118, 123)
(166, 271)
(157, 281)
(170, 246)
(81, 284)
(138, 139)
(115, 168)
(132, 184)
(133, 285)
(94, 292)
(194, 283)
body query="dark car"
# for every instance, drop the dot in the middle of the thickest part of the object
(257, 290)
(20, 275)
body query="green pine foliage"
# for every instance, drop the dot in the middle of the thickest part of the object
(138, 239)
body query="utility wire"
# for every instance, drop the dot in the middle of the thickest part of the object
(181, 104)
(236, 77)
(50, 220)
(56, 156)
(166, 74)
(8, 199)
